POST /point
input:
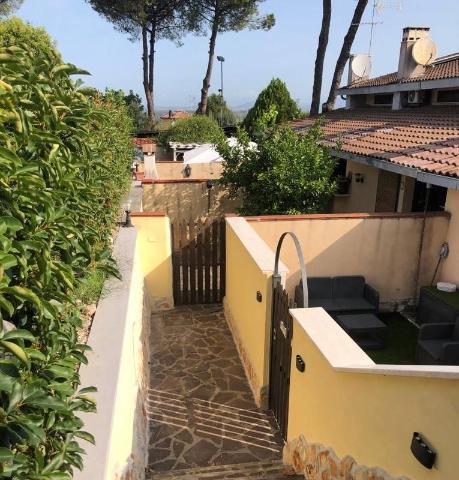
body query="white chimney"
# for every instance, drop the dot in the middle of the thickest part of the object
(407, 67)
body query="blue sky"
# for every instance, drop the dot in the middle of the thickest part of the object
(252, 57)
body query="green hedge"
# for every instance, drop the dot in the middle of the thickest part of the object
(64, 167)
(195, 129)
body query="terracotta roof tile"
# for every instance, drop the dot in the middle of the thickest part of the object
(425, 138)
(143, 141)
(441, 69)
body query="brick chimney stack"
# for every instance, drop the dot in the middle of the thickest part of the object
(407, 67)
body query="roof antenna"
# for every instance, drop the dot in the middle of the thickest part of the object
(378, 7)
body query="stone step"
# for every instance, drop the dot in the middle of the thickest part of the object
(268, 470)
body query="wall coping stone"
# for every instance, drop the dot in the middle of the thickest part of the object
(148, 214)
(340, 216)
(105, 361)
(344, 355)
(150, 181)
(255, 245)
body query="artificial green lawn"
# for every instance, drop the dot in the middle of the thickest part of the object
(447, 297)
(401, 341)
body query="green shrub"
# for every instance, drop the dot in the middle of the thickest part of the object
(64, 166)
(13, 32)
(273, 106)
(218, 110)
(286, 173)
(196, 129)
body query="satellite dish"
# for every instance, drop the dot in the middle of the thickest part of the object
(424, 51)
(361, 65)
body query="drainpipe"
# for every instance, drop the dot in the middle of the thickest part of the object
(421, 242)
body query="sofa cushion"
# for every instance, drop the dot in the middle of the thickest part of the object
(320, 287)
(455, 335)
(348, 286)
(433, 348)
(327, 304)
(354, 304)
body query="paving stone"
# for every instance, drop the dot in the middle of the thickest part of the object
(201, 453)
(200, 406)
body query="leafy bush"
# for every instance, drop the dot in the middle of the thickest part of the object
(13, 31)
(196, 129)
(273, 106)
(64, 165)
(218, 110)
(286, 173)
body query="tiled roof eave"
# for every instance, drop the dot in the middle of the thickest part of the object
(422, 174)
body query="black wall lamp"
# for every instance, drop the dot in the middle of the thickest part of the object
(359, 177)
(422, 451)
(187, 170)
(127, 210)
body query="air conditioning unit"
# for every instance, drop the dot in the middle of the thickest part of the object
(415, 97)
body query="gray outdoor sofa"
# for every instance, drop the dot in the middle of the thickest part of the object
(438, 344)
(340, 295)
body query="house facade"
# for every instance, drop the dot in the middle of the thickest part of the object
(397, 139)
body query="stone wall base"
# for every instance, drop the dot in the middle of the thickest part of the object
(260, 392)
(161, 303)
(317, 462)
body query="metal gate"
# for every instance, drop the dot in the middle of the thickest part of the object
(281, 338)
(281, 355)
(198, 261)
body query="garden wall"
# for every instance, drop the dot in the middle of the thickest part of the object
(383, 247)
(186, 199)
(175, 170)
(154, 238)
(450, 268)
(343, 404)
(118, 367)
(249, 268)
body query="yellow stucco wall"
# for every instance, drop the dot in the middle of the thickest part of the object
(384, 250)
(154, 237)
(362, 196)
(187, 201)
(371, 416)
(248, 319)
(174, 170)
(450, 268)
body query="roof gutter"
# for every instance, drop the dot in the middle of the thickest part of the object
(425, 177)
(402, 87)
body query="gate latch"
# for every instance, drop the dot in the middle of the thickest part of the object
(300, 365)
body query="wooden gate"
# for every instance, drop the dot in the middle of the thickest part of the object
(198, 262)
(281, 354)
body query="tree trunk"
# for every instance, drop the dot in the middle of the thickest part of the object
(202, 108)
(320, 57)
(151, 71)
(147, 59)
(344, 54)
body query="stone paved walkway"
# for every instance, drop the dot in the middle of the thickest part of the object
(200, 406)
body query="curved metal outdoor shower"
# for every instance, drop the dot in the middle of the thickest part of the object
(277, 278)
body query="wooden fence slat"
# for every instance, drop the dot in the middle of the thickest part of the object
(215, 235)
(222, 272)
(185, 262)
(200, 264)
(207, 262)
(175, 265)
(192, 256)
(198, 261)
